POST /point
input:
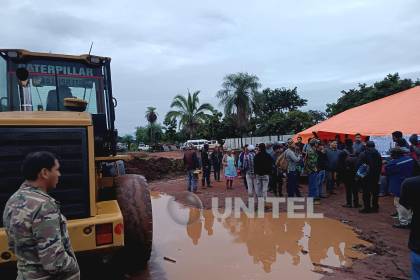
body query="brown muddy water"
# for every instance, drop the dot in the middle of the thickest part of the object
(245, 248)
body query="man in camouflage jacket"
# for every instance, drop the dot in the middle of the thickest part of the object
(311, 168)
(36, 229)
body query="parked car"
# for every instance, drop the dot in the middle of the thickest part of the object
(122, 147)
(143, 147)
(198, 143)
(212, 144)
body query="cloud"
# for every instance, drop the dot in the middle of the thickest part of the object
(162, 48)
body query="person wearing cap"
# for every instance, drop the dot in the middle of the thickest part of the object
(248, 165)
(293, 158)
(311, 168)
(370, 183)
(397, 170)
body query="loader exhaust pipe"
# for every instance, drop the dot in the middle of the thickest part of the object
(25, 96)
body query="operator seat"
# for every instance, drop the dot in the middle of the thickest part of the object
(63, 92)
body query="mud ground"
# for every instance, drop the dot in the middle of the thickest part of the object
(388, 257)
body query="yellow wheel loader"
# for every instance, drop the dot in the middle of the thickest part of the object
(64, 104)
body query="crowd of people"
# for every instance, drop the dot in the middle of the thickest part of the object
(267, 167)
(327, 164)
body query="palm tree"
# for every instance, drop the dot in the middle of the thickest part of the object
(237, 96)
(189, 112)
(151, 117)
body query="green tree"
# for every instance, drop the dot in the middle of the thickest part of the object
(151, 115)
(127, 139)
(189, 112)
(154, 133)
(271, 101)
(170, 130)
(237, 96)
(141, 134)
(271, 108)
(390, 85)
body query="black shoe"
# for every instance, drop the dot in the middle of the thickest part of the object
(365, 210)
(394, 215)
(375, 210)
(401, 226)
(357, 206)
(346, 205)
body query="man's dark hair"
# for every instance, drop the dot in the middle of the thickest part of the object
(261, 147)
(370, 144)
(414, 139)
(348, 143)
(397, 134)
(358, 134)
(35, 162)
(206, 147)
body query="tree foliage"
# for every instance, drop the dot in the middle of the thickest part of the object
(189, 112)
(237, 95)
(390, 85)
(276, 111)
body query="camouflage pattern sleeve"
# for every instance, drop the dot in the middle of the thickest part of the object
(51, 248)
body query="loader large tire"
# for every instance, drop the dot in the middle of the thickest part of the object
(133, 197)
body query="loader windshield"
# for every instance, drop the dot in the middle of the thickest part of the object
(49, 82)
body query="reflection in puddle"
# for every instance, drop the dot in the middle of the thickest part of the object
(245, 248)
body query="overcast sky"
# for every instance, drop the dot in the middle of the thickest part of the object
(162, 48)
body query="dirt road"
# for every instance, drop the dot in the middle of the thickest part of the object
(389, 256)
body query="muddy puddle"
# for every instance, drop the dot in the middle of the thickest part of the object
(245, 248)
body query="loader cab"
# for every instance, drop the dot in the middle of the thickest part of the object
(51, 78)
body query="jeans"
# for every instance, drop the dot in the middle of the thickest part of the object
(292, 184)
(320, 182)
(415, 266)
(216, 170)
(370, 187)
(252, 184)
(383, 182)
(404, 215)
(262, 185)
(313, 188)
(277, 183)
(352, 193)
(206, 176)
(331, 180)
(191, 181)
(243, 174)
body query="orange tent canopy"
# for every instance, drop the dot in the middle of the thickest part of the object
(400, 111)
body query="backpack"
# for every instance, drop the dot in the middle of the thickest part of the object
(282, 162)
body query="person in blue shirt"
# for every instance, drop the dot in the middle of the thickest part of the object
(397, 170)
